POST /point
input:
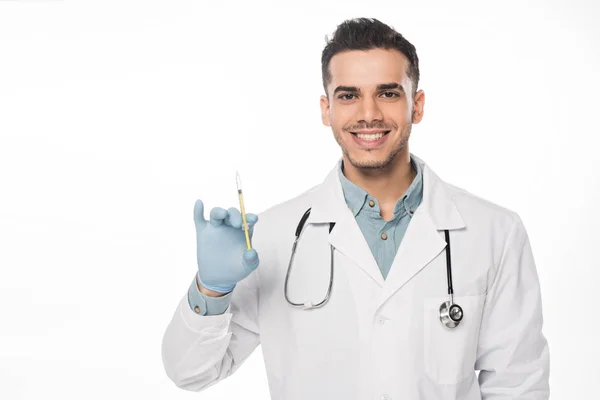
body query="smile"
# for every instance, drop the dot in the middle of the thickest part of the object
(370, 140)
(370, 136)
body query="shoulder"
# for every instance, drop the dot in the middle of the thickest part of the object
(483, 215)
(470, 202)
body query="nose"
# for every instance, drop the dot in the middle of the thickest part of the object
(369, 110)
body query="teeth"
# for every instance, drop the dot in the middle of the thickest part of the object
(370, 136)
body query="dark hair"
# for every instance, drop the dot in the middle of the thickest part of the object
(367, 34)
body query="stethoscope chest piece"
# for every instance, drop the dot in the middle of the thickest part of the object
(450, 314)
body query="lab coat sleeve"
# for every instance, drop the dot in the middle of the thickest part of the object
(207, 305)
(201, 350)
(513, 354)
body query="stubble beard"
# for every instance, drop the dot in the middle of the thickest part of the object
(376, 164)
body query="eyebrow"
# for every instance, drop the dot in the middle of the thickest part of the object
(383, 86)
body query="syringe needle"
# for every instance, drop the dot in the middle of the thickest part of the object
(238, 182)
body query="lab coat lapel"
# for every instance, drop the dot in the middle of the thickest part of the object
(422, 241)
(329, 205)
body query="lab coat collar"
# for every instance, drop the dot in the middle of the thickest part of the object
(329, 204)
(421, 243)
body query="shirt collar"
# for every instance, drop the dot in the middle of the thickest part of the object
(356, 197)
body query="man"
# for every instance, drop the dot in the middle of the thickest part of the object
(390, 238)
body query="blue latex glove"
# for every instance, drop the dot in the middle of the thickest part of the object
(222, 254)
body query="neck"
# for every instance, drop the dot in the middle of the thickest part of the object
(387, 185)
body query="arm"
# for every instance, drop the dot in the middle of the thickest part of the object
(513, 353)
(201, 350)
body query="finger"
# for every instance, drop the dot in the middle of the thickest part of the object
(217, 216)
(199, 220)
(250, 259)
(235, 218)
(251, 218)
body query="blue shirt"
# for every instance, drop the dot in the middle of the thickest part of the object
(384, 237)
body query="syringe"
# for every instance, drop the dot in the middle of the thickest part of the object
(243, 212)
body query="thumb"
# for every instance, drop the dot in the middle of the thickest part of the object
(199, 220)
(250, 259)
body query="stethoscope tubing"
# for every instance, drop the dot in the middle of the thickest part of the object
(451, 314)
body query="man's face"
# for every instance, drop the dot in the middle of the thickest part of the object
(370, 107)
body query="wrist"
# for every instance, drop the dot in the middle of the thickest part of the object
(208, 292)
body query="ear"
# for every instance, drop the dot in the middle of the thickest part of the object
(418, 107)
(324, 103)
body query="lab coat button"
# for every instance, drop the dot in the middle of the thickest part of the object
(383, 236)
(371, 203)
(386, 397)
(381, 320)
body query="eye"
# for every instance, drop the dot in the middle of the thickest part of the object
(342, 96)
(394, 94)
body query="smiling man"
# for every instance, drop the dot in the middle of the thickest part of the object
(384, 281)
(371, 110)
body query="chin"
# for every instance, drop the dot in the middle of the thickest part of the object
(369, 160)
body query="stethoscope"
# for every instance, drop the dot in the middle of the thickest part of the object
(450, 313)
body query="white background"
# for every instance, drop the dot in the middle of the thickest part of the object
(115, 116)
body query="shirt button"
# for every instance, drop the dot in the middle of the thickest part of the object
(383, 236)
(412, 211)
(197, 310)
(371, 203)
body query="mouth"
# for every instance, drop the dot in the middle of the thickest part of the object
(370, 135)
(370, 139)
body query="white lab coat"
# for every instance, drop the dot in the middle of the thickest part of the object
(376, 338)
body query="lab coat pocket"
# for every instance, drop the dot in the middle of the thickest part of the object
(449, 353)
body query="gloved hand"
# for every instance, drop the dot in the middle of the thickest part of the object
(222, 254)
